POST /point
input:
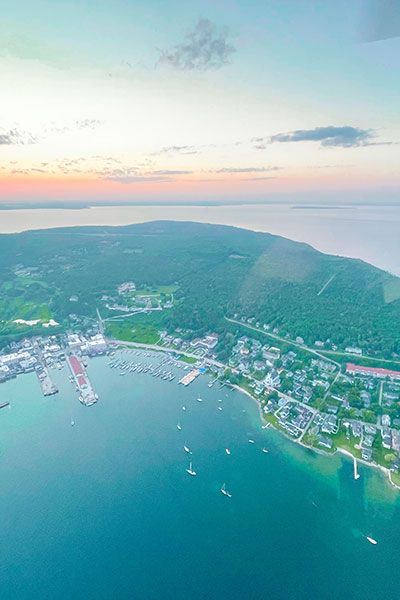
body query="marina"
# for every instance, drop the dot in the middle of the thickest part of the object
(79, 376)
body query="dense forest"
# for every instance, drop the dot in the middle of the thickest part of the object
(218, 271)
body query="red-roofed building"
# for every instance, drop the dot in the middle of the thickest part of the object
(371, 371)
(76, 366)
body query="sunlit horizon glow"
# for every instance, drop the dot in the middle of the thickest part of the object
(227, 102)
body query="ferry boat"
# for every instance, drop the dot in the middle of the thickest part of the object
(190, 470)
(225, 491)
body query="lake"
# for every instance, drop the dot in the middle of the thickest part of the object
(105, 509)
(369, 232)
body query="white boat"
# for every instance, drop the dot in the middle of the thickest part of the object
(179, 427)
(265, 450)
(72, 422)
(251, 441)
(225, 492)
(186, 449)
(220, 400)
(199, 399)
(219, 407)
(183, 407)
(190, 470)
(371, 540)
(227, 450)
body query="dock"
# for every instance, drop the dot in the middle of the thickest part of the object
(48, 387)
(87, 395)
(189, 377)
(356, 473)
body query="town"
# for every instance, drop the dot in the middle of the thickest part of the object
(307, 394)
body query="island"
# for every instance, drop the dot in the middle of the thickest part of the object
(313, 338)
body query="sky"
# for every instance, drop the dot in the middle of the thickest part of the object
(182, 101)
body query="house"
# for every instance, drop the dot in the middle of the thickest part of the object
(272, 379)
(319, 344)
(365, 398)
(366, 454)
(329, 424)
(368, 441)
(385, 420)
(271, 353)
(128, 286)
(258, 365)
(299, 340)
(353, 350)
(386, 438)
(325, 442)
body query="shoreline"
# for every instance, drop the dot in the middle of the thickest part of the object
(387, 473)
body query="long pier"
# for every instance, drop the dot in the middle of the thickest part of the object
(48, 387)
(356, 473)
(78, 372)
(190, 377)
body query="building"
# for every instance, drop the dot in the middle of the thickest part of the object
(371, 371)
(385, 420)
(208, 342)
(325, 442)
(353, 350)
(272, 379)
(366, 454)
(125, 288)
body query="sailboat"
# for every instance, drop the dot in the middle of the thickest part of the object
(179, 426)
(190, 470)
(225, 492)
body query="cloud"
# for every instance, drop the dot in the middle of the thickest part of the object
(88, 123)
(14, 136)
(257, 178)
(137, 179)
(204, 48)
(343, 137)
(177, 150)
(172, 172)
(246, 169)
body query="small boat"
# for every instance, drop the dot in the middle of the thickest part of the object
(219, 407)
(190, 470)
(371, 540)
(227, 450)
(225, 492)
(183, 407)
(265, 450)
(179, 427)
(186, 449)
(220, 400)
(251, 441)
(199, 399)
(72, 422)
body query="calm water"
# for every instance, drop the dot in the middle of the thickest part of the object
(368, 232)
(106, 510)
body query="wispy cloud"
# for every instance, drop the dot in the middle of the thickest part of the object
(138, 179)
(15, 136)
(177, 150)
(246, 169)
(257, 178)
(344, 137)
(168, 172)
(205, 47)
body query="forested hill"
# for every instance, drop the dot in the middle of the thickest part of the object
(218, 271)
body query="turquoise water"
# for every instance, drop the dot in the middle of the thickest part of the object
(106, 510)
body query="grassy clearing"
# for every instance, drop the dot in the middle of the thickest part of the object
(188, 359)
(144, 334)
